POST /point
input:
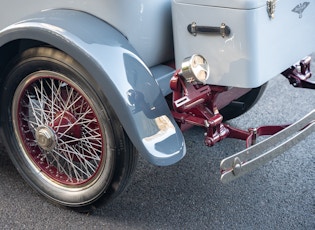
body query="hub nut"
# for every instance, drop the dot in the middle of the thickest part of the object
(45, 138)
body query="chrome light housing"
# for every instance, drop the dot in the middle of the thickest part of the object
(195, 69)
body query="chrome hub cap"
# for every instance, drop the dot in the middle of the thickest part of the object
(45, 138)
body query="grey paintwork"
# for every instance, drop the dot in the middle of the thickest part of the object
(146, 23)
(116, 71)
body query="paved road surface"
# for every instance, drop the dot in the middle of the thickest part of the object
(189, 195)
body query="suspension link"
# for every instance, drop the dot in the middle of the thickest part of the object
(300, 73)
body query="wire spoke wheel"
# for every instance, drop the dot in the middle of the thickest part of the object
(59, 128)
(61, 133)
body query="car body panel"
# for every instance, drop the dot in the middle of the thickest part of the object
(118, 72)
(147, 24)
(259, 46)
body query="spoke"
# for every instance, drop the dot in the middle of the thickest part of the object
(86, 140)
(38, 121)
(61, 168)
(76, 152)
(73, 166)
(31, 123)
(79, 109)
(43, 101)
(71, 152)
(51, 106)
(52, 112)
(86, 165)
(70, 124)
(83, 161)
(90, 131)
(93, 149)
(45, 155)
(73, 169)
(66, 107)
(83, 123)
(75, 123)
(61, 116)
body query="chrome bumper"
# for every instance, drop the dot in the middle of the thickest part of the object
(253, 157)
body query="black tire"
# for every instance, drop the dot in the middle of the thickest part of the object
(61, 133)
(243, 104)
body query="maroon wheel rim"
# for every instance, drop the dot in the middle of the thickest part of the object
(57, 124)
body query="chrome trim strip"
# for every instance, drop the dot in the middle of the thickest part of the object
(253, 157)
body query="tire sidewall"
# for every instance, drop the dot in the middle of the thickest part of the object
(35, 60)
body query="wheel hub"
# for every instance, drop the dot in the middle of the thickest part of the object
(66, 123)
(45, 137)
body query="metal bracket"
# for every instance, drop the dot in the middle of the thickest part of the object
(195, 104)
(300, 73)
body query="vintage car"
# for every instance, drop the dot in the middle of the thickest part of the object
(87, 85)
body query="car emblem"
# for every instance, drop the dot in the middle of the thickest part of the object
(300, 8)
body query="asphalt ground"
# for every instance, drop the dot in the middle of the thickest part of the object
(189, 195)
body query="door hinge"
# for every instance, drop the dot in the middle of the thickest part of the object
(271, 7)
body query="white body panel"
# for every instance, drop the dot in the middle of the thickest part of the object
(257, 49)
(146, 23)
(233, 4)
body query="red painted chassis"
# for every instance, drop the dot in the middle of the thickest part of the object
(196, 105)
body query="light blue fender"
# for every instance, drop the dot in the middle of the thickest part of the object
(118, 73)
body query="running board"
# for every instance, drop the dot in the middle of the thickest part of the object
(253, 157)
